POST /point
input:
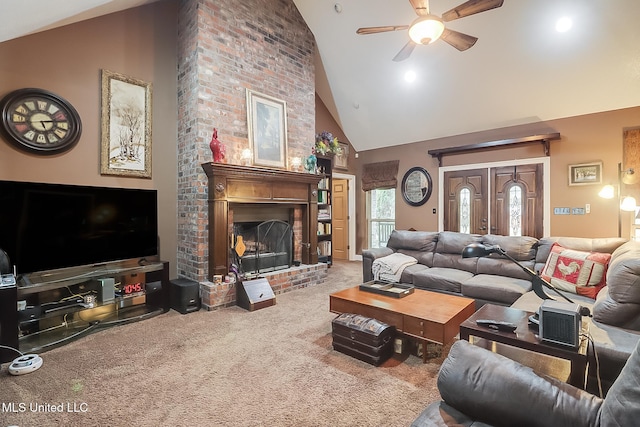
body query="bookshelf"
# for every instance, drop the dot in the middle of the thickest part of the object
(325, 168)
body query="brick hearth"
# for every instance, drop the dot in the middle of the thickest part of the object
(223, 295)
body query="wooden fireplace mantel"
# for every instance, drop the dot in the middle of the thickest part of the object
(235, 184)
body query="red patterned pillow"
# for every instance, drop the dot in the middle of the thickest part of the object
(583, 273)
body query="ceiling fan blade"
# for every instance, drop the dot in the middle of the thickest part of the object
(374, 30)
(405, 52)
(420, 6)
(458, 40)
(470, 7)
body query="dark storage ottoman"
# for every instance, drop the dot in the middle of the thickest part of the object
(362, 337)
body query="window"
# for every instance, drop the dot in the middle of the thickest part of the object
(381, 216)
(515, 211)
(465, 210)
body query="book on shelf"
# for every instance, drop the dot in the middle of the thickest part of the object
(324, 228)
(324, 197)
(324, 213)
(324, 248)
(324, 184)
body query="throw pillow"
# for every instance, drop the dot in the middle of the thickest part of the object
(579, 272)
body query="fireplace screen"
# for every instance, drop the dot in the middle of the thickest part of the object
(268, 246)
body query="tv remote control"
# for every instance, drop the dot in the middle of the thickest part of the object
(498, 325)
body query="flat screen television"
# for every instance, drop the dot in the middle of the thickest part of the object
(52, 226)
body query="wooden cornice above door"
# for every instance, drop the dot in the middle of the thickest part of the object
(543, 139)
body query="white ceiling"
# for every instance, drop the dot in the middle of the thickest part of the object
(520, 71)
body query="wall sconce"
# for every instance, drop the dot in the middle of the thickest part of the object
(627, 203)
(246, 157)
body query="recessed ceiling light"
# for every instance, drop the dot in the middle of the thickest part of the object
(564, 24)
(410, 76)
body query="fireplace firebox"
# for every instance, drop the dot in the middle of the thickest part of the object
(266, 246)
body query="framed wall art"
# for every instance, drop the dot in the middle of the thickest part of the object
(342, 159)
(126, 126)
(585, 173)
(267, 123)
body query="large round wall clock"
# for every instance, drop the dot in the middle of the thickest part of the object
(39, 121)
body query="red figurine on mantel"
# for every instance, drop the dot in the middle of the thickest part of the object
(217, 148)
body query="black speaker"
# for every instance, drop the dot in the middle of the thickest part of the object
(8, 322)
(185, 295)
(157, 288)
(153, 293)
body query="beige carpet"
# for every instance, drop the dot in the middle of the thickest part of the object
(230, 367)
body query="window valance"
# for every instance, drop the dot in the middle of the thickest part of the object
(381, 175)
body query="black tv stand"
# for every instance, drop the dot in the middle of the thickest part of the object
(56, 307)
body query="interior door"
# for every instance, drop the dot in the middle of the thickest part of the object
(340, 218)
(466, 201)
(517, 202)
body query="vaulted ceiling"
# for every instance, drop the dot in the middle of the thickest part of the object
(521, 70)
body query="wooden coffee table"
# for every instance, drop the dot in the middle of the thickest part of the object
(524, 337)
(423, 315)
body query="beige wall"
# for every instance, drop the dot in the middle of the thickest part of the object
(324, 121)
(139, 43)
(593, 137)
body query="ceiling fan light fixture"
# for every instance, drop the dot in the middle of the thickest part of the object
(426, 29)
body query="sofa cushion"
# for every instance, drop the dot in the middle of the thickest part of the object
(521, 248)
(495, 288)
(413, 240)
(579, 272)
(621, 407)
(455, 261)
(451, 242)
(423, 257)
(503, 267)
(620, 305)
(605, 244)
(489, 387)
(411, 271)
(441, 279)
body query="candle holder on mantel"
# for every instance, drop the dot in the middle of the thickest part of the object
(246, 157)
(296, 164)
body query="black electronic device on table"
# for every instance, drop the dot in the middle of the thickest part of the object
(497, 325)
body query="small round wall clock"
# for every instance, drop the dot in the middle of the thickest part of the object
(39, 121)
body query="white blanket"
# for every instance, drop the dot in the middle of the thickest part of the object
(390, 267)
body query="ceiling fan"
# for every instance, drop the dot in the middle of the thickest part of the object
(428, 28)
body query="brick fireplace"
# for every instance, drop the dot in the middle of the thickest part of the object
(225, 47)
(241, 189)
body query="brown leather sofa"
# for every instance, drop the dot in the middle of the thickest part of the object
(615, 325)
(480, 388)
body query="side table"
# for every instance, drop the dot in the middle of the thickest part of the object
(525, 337)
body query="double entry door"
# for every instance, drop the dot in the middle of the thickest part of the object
(506, 200)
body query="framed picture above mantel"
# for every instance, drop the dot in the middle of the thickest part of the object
(267, 129)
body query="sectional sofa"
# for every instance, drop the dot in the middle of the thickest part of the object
(614, 300)
(505, 393)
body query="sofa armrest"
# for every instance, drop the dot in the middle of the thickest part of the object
(370, 255)
(493, 389)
